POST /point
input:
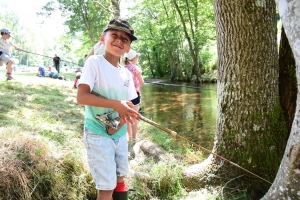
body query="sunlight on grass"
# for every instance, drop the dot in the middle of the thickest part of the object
(43, 155)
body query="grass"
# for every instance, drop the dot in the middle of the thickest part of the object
(43, 156)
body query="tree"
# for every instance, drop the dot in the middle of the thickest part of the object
(172, 35)
(286, 184)
(251, 130)
(81, 17)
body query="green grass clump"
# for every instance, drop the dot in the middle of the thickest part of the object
(42, 153)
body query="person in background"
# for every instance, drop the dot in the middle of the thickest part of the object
(41, 72)
(5, 51)
(107, 148)
(131, 63)
(78, 75)
(56, 62)
(98, 49)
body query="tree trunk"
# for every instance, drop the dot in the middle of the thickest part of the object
(287, 79)
(286, 184)
(192, 48)
(251, 130)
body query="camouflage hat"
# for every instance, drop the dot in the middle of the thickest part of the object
(122, 25)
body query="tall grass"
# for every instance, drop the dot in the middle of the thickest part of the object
(42, 154)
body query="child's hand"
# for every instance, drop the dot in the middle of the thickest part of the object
(126, 112)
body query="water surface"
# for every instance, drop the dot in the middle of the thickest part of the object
(190, 110)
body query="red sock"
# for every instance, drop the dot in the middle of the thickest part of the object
(121, 187)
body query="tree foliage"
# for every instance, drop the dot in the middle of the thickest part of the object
(172, 34)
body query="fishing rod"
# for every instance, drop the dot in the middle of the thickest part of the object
(174, 134)
(50, 57)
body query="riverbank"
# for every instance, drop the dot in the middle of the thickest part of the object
(41, 142)
(208, 77)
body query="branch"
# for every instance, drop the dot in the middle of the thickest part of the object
(99, 4)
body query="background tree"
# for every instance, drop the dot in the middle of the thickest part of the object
(171, 36)
(84, 20)
(286, 184)
(251, 130)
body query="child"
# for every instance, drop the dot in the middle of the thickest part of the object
(41, 72)
(106, 148)
(78, 75)
(5, 51)
(131, 63)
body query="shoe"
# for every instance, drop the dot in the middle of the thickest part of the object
(9, 77)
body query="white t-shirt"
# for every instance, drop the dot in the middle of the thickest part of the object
(6, 46)
(111, 82)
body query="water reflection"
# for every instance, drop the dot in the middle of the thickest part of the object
(189, 111)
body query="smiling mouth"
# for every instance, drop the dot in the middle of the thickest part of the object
(117, 46)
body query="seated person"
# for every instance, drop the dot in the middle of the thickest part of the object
(41, 72)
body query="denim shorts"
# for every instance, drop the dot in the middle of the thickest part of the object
(107, 158)
(5, 58)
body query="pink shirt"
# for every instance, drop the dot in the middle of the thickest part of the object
(135, 70)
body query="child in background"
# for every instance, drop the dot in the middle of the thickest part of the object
(5, 51)
(131, 63)
(41, 72)
(107, 149)
(98, 49)
(78, 75)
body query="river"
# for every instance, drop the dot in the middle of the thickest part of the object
(188, 109)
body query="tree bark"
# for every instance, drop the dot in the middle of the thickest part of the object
(286, 184)
(251, 130)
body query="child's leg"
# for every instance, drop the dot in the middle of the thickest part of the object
(9, 67)
(121, 191)
(105, 195)
(101, 157)
(129, 131)
(135, 125)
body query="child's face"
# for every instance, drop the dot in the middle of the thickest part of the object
(5, 36)
(116, 42)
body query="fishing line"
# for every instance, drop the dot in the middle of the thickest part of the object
(52, 58)
(174, 134)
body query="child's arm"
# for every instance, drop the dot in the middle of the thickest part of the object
(124, 109)
(141, 79)
(137, 71)
(19, 49)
